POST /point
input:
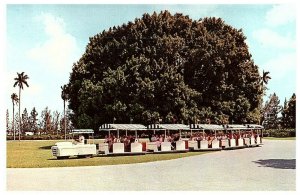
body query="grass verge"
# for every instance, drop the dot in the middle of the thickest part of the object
(37, 154)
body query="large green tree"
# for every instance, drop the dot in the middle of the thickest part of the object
(168, 67)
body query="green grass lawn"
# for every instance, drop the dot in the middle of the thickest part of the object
(280, 138)
(34, 154)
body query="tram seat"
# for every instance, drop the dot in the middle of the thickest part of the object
(232, 142)
(166, 146)
(136, 147)
(193, 144)
(215, 144)
(203, 144)
(180, 145)
(118, 148)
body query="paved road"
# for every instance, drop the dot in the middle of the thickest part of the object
(271, 167)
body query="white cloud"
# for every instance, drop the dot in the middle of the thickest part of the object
(59, 50)
(269, 38)
(281, 14)
(281, 66)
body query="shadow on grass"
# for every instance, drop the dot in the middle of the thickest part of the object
(69, 158)
(45, 148)
(277, 163)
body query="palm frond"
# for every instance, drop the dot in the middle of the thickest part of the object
(16, 83)
(25, 82)
(20, 80)
(266, 77)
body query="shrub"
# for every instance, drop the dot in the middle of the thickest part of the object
(279, 133)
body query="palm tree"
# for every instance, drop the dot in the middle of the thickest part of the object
(264, 80)
(15, 100)
(20, 80)
(65, 97)
(265, 77)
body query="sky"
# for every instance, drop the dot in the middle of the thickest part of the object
(45, 40)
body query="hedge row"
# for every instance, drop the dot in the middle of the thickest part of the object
(280, 133)
(38, 137)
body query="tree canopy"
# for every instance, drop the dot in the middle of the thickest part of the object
(167, 67)
(289, 113)
(270, 112)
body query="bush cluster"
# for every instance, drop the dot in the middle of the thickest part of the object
(38, 137)
(280, 133)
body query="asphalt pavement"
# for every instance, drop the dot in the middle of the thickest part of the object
(271, 167)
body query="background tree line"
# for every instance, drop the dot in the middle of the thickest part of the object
(168, 68)
(47, 123)
(276, 116)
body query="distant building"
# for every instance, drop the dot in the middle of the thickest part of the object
(29, 133)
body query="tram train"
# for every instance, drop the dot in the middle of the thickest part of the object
(161, 138)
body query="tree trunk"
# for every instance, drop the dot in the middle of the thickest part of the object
(13, 122)
(19, 113)
(65, 120)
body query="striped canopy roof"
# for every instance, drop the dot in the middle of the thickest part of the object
(82, 131)
(168, 127)
(132, 127)
(254, 126)
(234, 127)
(225, 127)
(206, 127)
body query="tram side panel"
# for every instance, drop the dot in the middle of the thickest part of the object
(165, 146)
(118, 148)
(180, 145)
(193, 144)
(203, 144)
(240, 142)
(247, 141)
(258, 140)
(215, 144)
(232, 142)
(103, 147)
(252, 141)
(136, 147)
(152, 146)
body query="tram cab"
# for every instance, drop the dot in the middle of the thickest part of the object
(79, 147)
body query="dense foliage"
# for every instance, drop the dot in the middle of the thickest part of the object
(46, 123)
(271, 110)
(166, 67)
(289, 113)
